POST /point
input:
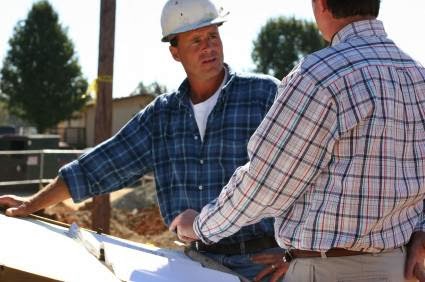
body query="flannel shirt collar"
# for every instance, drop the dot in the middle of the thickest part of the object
(359, 29)
(183, 92)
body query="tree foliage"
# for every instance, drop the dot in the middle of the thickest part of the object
(154, 88)
(282, 42)
(41, 76)
(4, 114)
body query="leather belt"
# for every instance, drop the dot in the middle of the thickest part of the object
(335, 252)
(241, 248)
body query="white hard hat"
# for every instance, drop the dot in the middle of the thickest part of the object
(184, 15)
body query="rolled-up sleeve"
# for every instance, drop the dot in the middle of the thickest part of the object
(115, 163)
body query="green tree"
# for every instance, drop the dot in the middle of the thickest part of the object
(41, 76)
(154, 88)
(4, 115)
(282, 42)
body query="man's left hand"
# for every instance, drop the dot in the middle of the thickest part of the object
(274, 266)
(183, 225)
(415, 257)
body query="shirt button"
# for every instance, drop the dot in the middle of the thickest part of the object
(201, 161)
(195, 137)
(200, 187)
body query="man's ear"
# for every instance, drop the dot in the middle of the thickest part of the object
(323, 5)
(175, 53)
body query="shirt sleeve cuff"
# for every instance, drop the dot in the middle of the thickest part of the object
(198, 232)
(71, 174)
(420, 226)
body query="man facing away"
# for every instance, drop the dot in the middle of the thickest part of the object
(192, 139)
(339, 160)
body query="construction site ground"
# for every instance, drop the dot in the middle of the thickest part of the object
(135, 216)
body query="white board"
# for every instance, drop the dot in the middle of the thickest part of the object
(46, 250)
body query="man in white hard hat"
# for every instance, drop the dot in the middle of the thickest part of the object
(339, 160)
(193, 139)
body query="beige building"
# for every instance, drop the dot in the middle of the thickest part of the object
(79, 131)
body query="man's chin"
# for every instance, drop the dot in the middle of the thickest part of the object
(213, 68)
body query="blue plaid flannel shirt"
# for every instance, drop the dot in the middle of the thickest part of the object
(164, 138)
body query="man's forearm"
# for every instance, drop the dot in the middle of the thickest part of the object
(52, 194)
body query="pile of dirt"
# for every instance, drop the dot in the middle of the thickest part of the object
(135, 216)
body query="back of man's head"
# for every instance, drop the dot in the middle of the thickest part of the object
(351, 8)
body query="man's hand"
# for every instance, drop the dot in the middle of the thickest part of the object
(275, 266)
(183, 225)
(15, 206)
(53, 193)
(415, 257)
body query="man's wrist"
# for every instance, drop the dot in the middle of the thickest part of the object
(198, 232)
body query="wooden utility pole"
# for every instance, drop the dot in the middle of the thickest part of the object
(101, 212)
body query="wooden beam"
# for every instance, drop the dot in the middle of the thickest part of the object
(101, 212)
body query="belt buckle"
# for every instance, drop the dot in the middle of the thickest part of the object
(287, 256)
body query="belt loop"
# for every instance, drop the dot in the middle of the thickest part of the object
(403, 249)
(242, 246)
(323, 254)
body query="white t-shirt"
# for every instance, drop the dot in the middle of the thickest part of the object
(202, 110)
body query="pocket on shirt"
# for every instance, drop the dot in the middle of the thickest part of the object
(235, 147)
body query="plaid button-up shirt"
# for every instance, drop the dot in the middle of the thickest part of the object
(164, 138)
(339, 159)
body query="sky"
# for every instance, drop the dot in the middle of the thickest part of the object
(140, 56)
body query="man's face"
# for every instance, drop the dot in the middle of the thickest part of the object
(200, 51)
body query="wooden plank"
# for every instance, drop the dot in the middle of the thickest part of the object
(101, 212)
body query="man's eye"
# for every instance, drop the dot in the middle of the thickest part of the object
(196, 41)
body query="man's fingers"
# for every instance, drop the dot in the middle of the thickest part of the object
(8, 201)
(186, 239)
(408, 269)
(20, 210)
(183, 236)
(276, 267)
(15, 206)
(263, 273)
(174, 224)
(415, 257)
(419, 272)
(12, 212)
(279, 273)
(276, 270)
(183, 225)
(174, 227)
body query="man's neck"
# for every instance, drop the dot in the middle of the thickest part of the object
(201, 90)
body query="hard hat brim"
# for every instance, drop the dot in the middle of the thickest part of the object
(216, 21)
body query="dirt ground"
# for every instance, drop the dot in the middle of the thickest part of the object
(134, 216)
